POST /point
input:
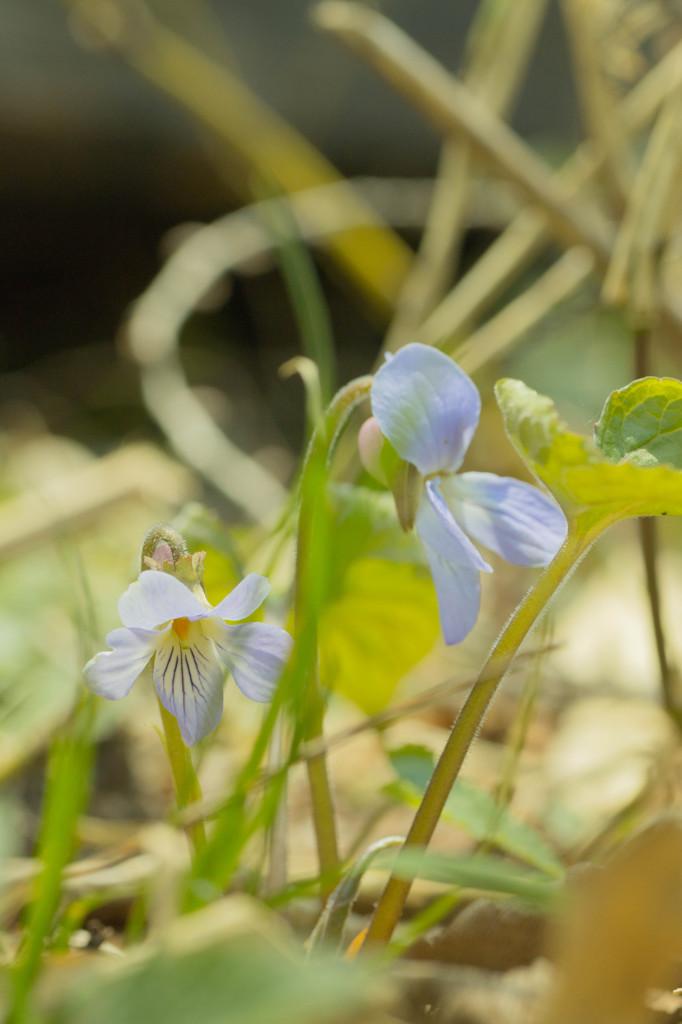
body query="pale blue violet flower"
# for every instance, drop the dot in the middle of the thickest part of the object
(191, 645)
(428, 409)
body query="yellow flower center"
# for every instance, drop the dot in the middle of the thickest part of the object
(181, 627)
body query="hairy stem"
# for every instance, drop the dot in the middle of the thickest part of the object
(470, 718)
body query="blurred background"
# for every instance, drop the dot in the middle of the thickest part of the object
(102, 166)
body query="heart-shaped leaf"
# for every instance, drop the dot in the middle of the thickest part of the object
(582, 479)
(643, 423)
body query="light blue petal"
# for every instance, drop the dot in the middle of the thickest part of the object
(439, 531)
(427, 408)
(255, 654)
(458, 590)
(244, 599)
(189, 682)
(454, 563)
(155, 598)
(111, 674)
(512, 518)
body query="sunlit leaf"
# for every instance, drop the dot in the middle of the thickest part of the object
(643, 419)
(382, 621)
(381, 615)
(474, 810)
(581, 478)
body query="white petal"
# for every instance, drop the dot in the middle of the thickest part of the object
(427, 407)
(510, 517)
(244, 599)
(155, 598)
(111, 674)
(189, 682)
(255, 654)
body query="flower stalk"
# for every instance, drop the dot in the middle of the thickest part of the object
(309, 595)
(578, 540)
(185, 779)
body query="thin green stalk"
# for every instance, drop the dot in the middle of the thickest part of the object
(648, 540)
(304, 288)
(187, 788)
(68, 779)
(309, 594)
(471, 716)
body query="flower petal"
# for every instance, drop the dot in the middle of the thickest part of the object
(427, 407)
(458, 590)
(454, 563)
(510, 517)
(155, 598)
(244, 599)
(255, 654)
(111, 674)
(189, 682)
(439, 531)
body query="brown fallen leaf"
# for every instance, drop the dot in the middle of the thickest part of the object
(621, 935)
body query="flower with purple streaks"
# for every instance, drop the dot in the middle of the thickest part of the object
(191, 644)
(427, 408)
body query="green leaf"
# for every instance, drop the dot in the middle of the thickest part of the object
(365, 523)
(210, 976)
(643, 419)
(488, 874)
(382, 621)
(581, 478)
(380, 616)
(474, 810)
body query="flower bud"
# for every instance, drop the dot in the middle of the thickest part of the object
(380, 458)
(370, 445)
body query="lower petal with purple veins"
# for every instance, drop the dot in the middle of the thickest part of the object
(189, 681)
(254, 653)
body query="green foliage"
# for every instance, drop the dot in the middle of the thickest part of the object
(213, 978)
(643, 423)
(489, 874)
(580, 477)
(66, 792)
(381, 617)
(472, 809)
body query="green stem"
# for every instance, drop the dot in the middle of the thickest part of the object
(648, 539)
(187, 788)
(470, 717)
(310, 582)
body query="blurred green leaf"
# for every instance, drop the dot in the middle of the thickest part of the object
(381, 615)
(643, 419)
(489, 874)
(382, 623)
(472, 809)
(365, 522)
(580, 477)
(215, 979)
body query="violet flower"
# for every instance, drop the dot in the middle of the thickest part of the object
(428, 409)
(191, 645)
